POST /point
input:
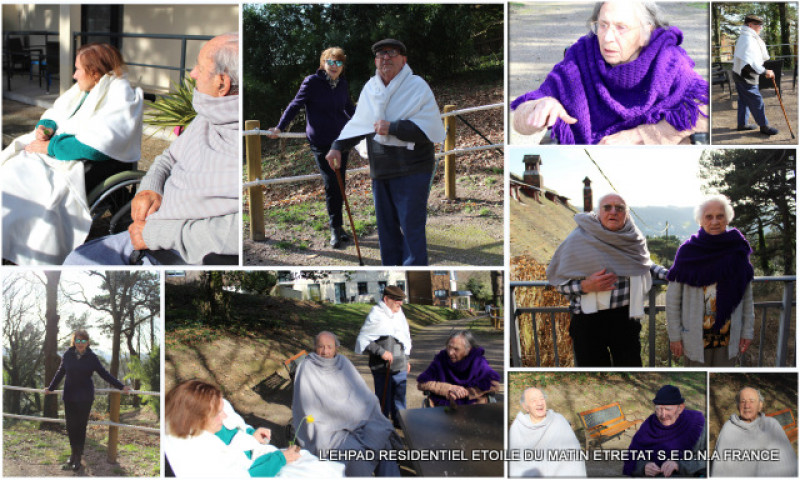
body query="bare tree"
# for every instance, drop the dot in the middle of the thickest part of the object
(51, 358)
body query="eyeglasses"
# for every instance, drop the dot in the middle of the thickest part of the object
(336, 63)
(620, 29)
(80, 340)
(387, 53)
(617, 208)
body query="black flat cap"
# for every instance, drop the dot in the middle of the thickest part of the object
(668, 395)
(389, 42)
(393, 292)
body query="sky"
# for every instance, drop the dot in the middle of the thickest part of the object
(644, 176)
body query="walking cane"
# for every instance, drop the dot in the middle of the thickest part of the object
(349, 215)
(386, 384)
(782, 108)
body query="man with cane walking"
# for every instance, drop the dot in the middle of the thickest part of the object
(748, 63)
(387, 340)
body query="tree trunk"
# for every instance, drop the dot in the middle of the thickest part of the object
(51, 358)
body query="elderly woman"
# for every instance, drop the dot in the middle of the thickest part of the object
(460, 373)
(710, 296)
(99, 121)
(751, 432)
(78, 364)
(538, 431)
(326, 98)
(627, 81)
(206, 438)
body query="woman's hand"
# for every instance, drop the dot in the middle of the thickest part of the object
(599, 282)
(37, 146)
(534, 115)
(42, 133)
(273, 132)
(47, 391)
(651, 470)
(126, 390)
(292, 454)
(262, 435)
(457, 392)
(676, 348)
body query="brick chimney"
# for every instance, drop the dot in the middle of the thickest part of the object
(587, 195)
(532, 176)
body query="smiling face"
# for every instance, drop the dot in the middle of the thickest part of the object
(326, 346)
(388, 67)
(457, 349)
(214, 422)
(714, 220)
(535, 404)
(81, 344)
(668, 414)
(86, 80)
(749, 404)
(333, 71)
(613, 212)
(618, 34)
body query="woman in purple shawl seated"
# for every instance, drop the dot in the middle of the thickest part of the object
(670, 442)
(460, 373)
(626, 82)
(710, 296)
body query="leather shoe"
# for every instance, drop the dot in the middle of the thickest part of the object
(767, 130)
(749, 126)
(335, 242)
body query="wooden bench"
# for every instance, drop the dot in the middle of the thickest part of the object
(293, 362)
(787, 421)
(603, 423)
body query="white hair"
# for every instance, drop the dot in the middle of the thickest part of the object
(226, 59)
(611, 194)
(700, 210)
(648, 13)
(522, 397)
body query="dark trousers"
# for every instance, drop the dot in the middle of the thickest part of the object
(750, 101)
(77, 416)
(401, 211)
(395, 399)
(606, 338)
(333, 196)
(94, 173)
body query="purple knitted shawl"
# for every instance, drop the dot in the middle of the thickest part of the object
(654, 437)
(659, 85)
(472, 371)
(723, 259)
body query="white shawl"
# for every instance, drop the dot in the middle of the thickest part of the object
(45, 215)
(407, 97)
(535, 441)
(382, 322)
(750, 50)
(763, 433)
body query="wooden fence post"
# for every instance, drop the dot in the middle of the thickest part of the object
(113, 432)
(450, 160)
(253, 156)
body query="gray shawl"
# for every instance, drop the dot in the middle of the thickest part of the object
(551, 434)
(591, 248)
(346, 412)
(763, 433)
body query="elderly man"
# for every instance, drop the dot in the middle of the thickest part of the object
(460, 373)
(603, 266)
(387, 340)
(627, 81)
(746, 437)
(539, 431)
(187, 207)
(399, 117)
(749, 56)
(346, 416)
(672, 441)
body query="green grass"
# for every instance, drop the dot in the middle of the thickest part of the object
(485, 212)
(490, 181)
(292, 244)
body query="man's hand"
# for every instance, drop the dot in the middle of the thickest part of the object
(135, 231)
(292, 454)
(651, 470)
(599, 282)
(262, 435)
(669, 467)
(408, 367)
(769, 74)
(744, 344)
(382, 127)
(42, 133)
(47, 391)
(676, 348)
(387, 357)
(37, 146)
(143, 204)
(334, 158)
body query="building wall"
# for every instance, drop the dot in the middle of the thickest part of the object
(327, 286)
(419, 287)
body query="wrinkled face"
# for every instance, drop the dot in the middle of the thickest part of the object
(756, 27)
(535, 404)
(206, 80)
(618, 33)
(714, 221)
(333, 71)
(457, 349)
(749, 405)
(388, 67)
(613, 212)
(668, 414)
(81, 344)
(86, 81)
(326, 346)
(394, 305)
(214, 423)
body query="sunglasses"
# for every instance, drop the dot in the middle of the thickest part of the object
(387, 53)
(617, 208)
(80, 340)
(334, 63)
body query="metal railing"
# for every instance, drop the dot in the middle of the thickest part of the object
(784, 327)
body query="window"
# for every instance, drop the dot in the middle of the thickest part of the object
(440, 293)
(401, 285)
(362, 288)
(381, 287)
(440, 272)
(314, 292)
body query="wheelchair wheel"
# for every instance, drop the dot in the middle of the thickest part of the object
(110, 203)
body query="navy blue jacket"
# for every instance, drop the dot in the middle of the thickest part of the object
(327, 109)
(78, 387)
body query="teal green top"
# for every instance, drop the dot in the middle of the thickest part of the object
(66, 147)
(267, 465)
